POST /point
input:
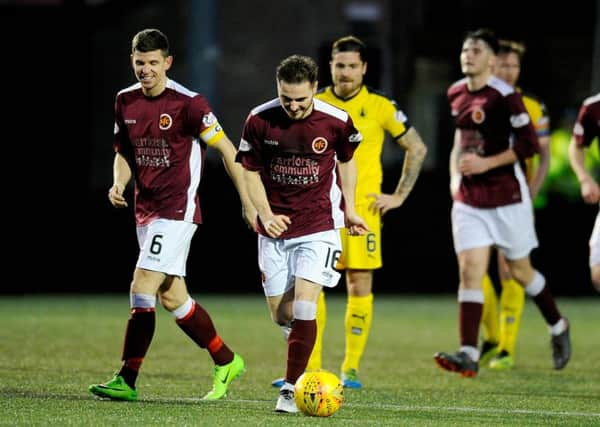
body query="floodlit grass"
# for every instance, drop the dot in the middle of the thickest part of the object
(53, 347)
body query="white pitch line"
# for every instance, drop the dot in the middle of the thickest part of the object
(405, 408)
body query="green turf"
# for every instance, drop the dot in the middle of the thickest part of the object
(53, 347)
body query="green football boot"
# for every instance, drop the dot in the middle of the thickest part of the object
(503, 361)
(488, 351)
(223, 376)
(350, 379)
(115, 389)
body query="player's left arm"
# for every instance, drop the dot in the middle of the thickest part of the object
(355, 224)
(415, 152)
(236, 172)
(542, 168)
(541, 122)
(590, 191)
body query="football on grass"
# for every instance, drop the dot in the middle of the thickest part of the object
(319, 393)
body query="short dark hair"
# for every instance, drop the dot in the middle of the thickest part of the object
(350, 44)
(511, 46)
(485, 34)
(297, 69)
(150, 39)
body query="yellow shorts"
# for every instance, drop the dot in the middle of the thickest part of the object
(362, 252)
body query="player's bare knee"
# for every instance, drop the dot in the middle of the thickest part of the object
(172, 300)
(522, 271)
(471, 278)
(523, 277)
(359, 282)
(166, 302)
(146, 282)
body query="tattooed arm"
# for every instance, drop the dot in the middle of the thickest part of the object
(416, 150)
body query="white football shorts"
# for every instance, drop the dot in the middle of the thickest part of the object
(595, 242)
(165, 245)
(510, 228)
(312, 257)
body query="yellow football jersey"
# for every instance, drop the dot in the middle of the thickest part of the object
(372, 113)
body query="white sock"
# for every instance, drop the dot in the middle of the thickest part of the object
(558, 328)
(473, 352)
(287, 386)
(286, 331)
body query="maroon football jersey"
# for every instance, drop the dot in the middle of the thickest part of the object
(297, 163)
(587, 126)
(491, 120)
(160, 138)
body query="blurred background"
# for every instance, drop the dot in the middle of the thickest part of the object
(66, 60)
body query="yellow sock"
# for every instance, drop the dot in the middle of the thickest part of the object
(314, 362)
(489, 316)
(512, 301)
(359, 314)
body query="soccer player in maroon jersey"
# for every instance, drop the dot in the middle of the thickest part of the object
(297, 154)
(501, 317)
(492, 206)
(586, 129)
(374, 115)
(161, 133)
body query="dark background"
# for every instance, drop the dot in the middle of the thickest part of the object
(65, 61)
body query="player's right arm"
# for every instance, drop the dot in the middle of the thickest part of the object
(473, 164)
(274, 225)
(121, 176)
(455, 176)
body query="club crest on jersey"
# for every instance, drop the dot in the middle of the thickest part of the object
(165, 121)
(319, 144)
(478, 115)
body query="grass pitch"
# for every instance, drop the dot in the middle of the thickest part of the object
(53, 347)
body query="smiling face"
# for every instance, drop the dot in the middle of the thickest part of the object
(150, 69)
(347, 72)
(296, 98)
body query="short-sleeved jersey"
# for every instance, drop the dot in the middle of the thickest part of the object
(297, 163)
(491, 120)
(372, 113)
(164, 140)
(587, 125)
(538, 113)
